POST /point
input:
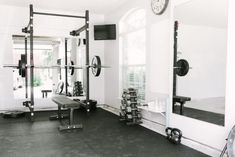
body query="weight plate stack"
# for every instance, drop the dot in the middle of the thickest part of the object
(129, 110)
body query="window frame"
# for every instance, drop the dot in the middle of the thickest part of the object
(122, 55)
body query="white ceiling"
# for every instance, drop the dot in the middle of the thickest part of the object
(213, 13)
(95, 6)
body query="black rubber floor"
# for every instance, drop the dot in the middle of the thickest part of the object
(103, 136)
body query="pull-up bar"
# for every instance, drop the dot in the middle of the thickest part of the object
(52, 14)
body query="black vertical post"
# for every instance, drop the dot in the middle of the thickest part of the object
(66, 68)
(32, 64)
(26, 72)
(87, 57)
(175, 57)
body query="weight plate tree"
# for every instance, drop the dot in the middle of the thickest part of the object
(77, 89)
(130, 113)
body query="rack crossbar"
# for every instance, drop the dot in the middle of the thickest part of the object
(62, 15)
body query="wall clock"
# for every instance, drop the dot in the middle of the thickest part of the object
(159, 6)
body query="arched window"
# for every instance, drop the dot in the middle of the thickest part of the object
(132, 46)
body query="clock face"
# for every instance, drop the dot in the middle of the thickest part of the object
(159, 6)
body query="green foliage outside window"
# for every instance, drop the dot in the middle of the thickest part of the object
(37, 82)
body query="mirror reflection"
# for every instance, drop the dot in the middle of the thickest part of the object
(49, 51)
(200, 49)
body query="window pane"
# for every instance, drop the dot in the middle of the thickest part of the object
(133, 21)
(136, 47)
(133, 52)
(42, 77)
(136, 79)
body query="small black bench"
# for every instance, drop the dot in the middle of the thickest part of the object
(65, 103)
(181, 100)
(45, 93)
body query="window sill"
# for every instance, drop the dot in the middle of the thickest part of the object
(153, 110)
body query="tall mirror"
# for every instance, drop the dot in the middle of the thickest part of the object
(50, 51)
(200, 50)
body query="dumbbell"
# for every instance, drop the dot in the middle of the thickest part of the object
(122, 108)
(129, 116)
(128, 109)
(131, 102)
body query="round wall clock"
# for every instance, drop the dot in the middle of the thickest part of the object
(159, 6)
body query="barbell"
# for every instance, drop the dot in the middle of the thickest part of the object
(22, 66)
(182, 67)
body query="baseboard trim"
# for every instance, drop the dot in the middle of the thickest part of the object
(160, 128)
(151, 125)
(214, 152)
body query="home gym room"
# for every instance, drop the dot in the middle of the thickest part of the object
(117, 78)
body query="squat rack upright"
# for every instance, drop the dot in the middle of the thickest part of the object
(30, 30)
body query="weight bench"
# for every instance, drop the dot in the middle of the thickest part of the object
(66, 103)
(181, 100)
(45, 93)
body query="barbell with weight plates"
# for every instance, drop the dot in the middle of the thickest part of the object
(95, 66)
(96, 62)
(72, 69)
(23, 60)
(182, 67)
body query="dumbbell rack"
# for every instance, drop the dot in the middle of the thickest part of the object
(130, 113)
(77, 89)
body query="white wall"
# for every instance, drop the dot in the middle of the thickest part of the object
(230, 88)
(200, 135)
(157, 58)
(157, 37)
(160, 32)
(15, 18)
(209, 138)
(205, 48)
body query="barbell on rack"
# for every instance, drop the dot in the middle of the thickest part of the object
(182, 67)
(95, 66)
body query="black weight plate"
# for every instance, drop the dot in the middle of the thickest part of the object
(72, 68)
(23, 72)
(19, 67)
(23, 65)
(84, 41)
(96, 66)
(182, 67)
